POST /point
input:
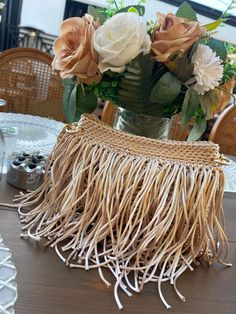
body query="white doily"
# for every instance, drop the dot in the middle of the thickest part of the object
(8, 288)
(33, 133)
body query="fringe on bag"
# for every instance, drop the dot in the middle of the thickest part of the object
(147, 210)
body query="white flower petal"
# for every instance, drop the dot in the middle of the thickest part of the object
(208, 69)
(121, 39)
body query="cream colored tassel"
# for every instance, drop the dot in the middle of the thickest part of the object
(150, 208)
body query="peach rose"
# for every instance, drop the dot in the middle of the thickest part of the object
(74, 53)
(173, 34)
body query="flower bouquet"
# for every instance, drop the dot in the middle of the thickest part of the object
(161, 68)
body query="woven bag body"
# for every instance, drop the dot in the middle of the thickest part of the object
(145, 209)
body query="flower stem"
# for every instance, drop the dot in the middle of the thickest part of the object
(226, 91)
(116, 5)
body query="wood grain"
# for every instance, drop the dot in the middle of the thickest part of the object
(47, 286)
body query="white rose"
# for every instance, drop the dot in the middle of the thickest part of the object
(119, 40)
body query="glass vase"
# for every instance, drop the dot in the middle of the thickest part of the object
(141, 124)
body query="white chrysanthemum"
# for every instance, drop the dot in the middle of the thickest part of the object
(208, 69)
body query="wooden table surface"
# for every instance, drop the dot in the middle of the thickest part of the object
(47, 286)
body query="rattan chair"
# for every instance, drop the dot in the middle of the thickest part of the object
(176, 131)
(224, 131)
(28, 83)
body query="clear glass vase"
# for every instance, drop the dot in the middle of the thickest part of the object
(141, 124)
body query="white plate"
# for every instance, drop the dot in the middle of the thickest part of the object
(33, 133)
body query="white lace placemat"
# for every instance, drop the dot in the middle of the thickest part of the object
(27, 133)
(32, 132)
(8, 287)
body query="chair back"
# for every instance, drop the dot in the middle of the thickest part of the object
(29, 84)
(224, 131)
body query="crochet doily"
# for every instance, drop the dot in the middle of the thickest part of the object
(8, 288)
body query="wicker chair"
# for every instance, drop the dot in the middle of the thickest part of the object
(176, 131)
(28, 83)
(224, 131)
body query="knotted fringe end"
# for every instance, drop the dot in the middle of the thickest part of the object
(128, 208)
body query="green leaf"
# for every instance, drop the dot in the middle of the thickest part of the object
(198, 129)
(77, 101)
(213, 25)
(166, 89)
(181, 66)
(194, 48)
(136, 86)
(139, 8)
(219, 48)
(86, 102)
(209, 102)
(71, 109)
(186, 11)
(97, 13)
(190, 105)
(69, 99)
(132, 9)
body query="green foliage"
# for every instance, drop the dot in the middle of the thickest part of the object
(209, 102)
(139, 8)
(174, 107)
(166, 89)
(198, 129)
(86, 101)
(190, 106)
(231, 48)
(229, 71)
(69, 99)
(224, 16)
(213, 25)
(97, 13)
(194, 48)
(181, 66)
(119, 7)
(186, 11)
(136, 86)
(108, 88)
(76, 100)
(219, 48)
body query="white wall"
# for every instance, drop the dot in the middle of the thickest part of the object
(45, 15)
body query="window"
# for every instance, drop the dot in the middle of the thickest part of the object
(211, 9)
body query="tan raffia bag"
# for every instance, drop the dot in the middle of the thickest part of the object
(145, 209)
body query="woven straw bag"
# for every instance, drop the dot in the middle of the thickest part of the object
(145, 209)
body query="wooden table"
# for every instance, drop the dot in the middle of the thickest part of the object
(47, 286)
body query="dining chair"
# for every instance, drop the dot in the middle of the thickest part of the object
(177, 132)
(223, 131)
(29, 84)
